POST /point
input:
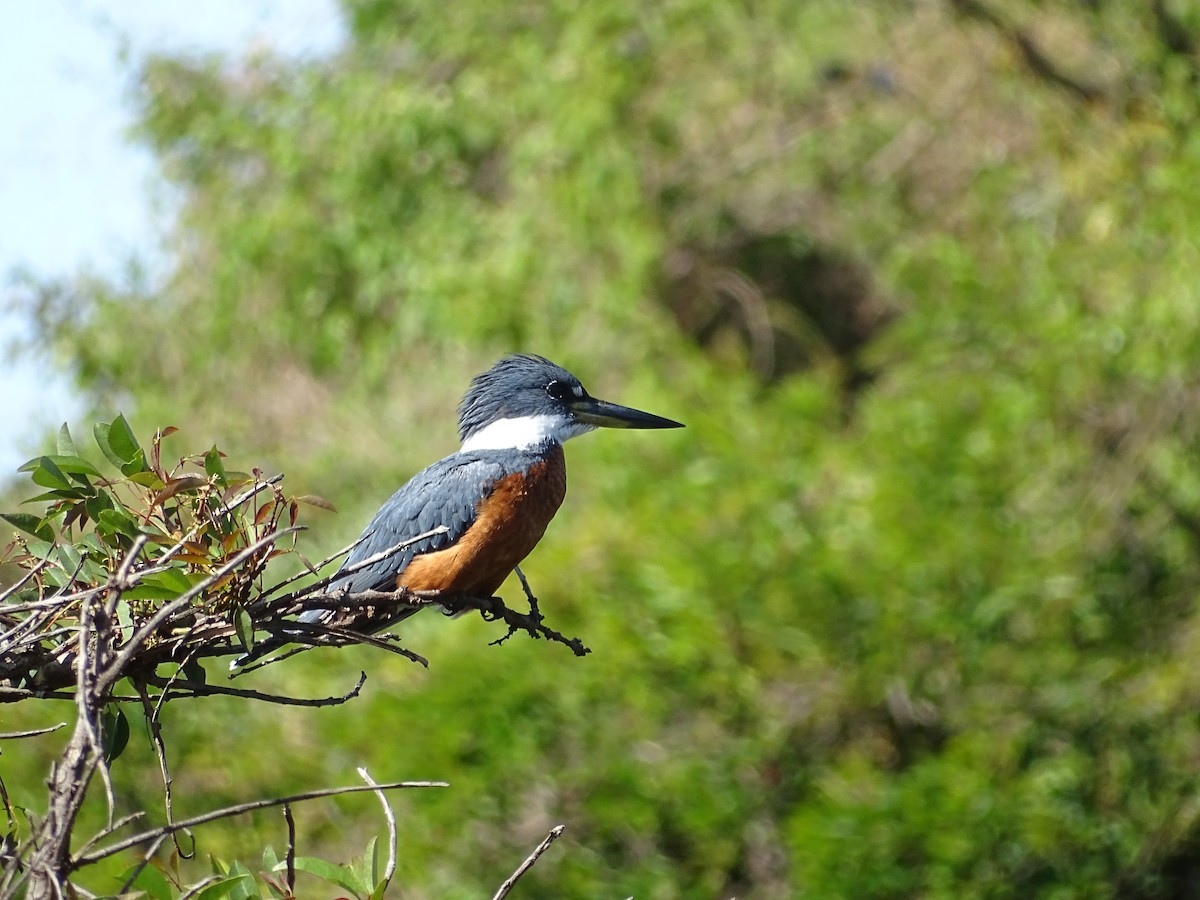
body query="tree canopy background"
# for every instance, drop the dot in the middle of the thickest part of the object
(908, 609)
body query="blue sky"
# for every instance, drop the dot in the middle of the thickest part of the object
(73, 191)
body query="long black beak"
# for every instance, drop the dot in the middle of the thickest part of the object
(591, 411)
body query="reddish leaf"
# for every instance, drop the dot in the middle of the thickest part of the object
(78, 513)
(318, 502)
(263, 513)
(175, 485)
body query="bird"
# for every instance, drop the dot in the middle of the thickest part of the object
(480, 511)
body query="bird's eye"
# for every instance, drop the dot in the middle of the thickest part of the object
(558, 390)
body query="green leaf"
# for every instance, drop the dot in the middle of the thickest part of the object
(70, 558)
(98, 503)
(91, 543)
(116, 521)
(194, 671)
(137, 466)
(149, 590)
(124, 615)
(176, 580)
(121, 439)
(149, 880)
(54, 577)
(215, 467)
(66, 446)
(67, 462)
(244, 626)
(101, 432)
(245, 889)
(165, 585)
(34, 525)
(327, 871)
(147, 478)
(233, 887)
(93, 572)
(48, 474)
(116, 733)
(369, 872)
(41, 549)
(68, 494)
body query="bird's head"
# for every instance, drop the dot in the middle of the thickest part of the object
(525, 400)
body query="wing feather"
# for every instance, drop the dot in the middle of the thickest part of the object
(446, 493)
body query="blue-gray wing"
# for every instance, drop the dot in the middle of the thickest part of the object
(445, 494)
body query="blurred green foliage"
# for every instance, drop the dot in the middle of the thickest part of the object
(908, 610)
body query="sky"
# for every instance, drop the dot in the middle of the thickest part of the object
(74, 191)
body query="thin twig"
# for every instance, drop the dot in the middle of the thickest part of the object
(151, 711)
(80, 860)
(110, 829)
(310, 569)
(509, 882)
(493, 608)
(58, 601)
(16, 588)
(198, 689)
(308, 634)
(290, 856)
(33, 732)
(358, 566)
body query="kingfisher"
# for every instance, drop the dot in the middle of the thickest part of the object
(494, 497)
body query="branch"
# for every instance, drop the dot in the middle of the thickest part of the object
(350, 570)
(493, 608)
(81, 860)
(290, 856)
(199, 689)
(554, 835)
(33, 732)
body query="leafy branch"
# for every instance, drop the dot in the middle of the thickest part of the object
(136, 577)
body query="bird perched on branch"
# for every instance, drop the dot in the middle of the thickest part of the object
(494, 497)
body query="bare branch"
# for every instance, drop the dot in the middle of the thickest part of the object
(197, 689)
(290, 856)
(151, 711)
(80, 860)
(33, 732)
(554, 835)
(109, 830)
(25, 579)
(493, 608)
